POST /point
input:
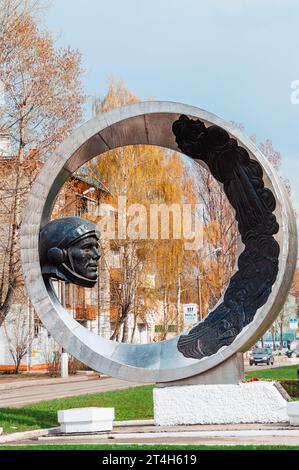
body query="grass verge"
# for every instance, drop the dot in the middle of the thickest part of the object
(278, 373)
(142, 447)
(132, 403)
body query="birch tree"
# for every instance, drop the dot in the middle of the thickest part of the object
(41, 103)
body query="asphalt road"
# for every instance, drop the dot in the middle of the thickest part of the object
(288, 362)
(20, 392)
(39, 391)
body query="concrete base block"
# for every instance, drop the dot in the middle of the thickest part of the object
(254, 402)
(293, 412)
(230, 371)
(77, 420)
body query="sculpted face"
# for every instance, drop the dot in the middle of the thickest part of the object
(84, 256)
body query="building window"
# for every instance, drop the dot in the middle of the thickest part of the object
(81, 206)
(115, 259)
(37, 327)
(172, 329)
(159, 328)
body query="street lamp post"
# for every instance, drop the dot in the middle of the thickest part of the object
(80, 196)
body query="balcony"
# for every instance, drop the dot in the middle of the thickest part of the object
(86, 312)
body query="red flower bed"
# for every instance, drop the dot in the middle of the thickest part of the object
(255, 379)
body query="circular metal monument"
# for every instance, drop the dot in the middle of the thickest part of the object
(257, 290)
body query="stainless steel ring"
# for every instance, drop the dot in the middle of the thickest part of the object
(143, 123)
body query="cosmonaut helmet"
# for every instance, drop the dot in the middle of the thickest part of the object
(56, 238)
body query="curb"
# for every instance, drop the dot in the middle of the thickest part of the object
(134, 422)
(17, 436)
(25, 435)
(177, 434)
(53, 434)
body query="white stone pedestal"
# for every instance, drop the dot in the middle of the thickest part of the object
(293, 412)
(253, 402)
(86, 420)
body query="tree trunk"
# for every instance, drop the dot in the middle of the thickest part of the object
(281, 336)
(120, 322)
(134, 328)
(273, 338)
(165, 315)
(116, 331)
(200, 316)
(14, 255)
(18, 363)
(125, 338)
(4, 308)
(178, 303)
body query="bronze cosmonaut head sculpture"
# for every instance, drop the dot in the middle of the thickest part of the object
(69, 251)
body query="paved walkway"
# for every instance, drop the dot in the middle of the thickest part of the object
(144, 432)
(15, 394)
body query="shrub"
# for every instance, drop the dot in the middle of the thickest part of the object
(54, 364)
(291, 386)
(75, 365)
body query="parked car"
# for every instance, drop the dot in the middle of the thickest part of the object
(292, 353)
(261, 356)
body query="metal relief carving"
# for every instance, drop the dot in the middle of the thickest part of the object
(69, 251)
(150, 123)
(251, 285)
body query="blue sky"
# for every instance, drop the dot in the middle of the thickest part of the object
(234, 58)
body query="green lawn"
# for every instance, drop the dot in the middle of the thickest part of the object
(142, 447)
(278, 373)
(132, 403)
